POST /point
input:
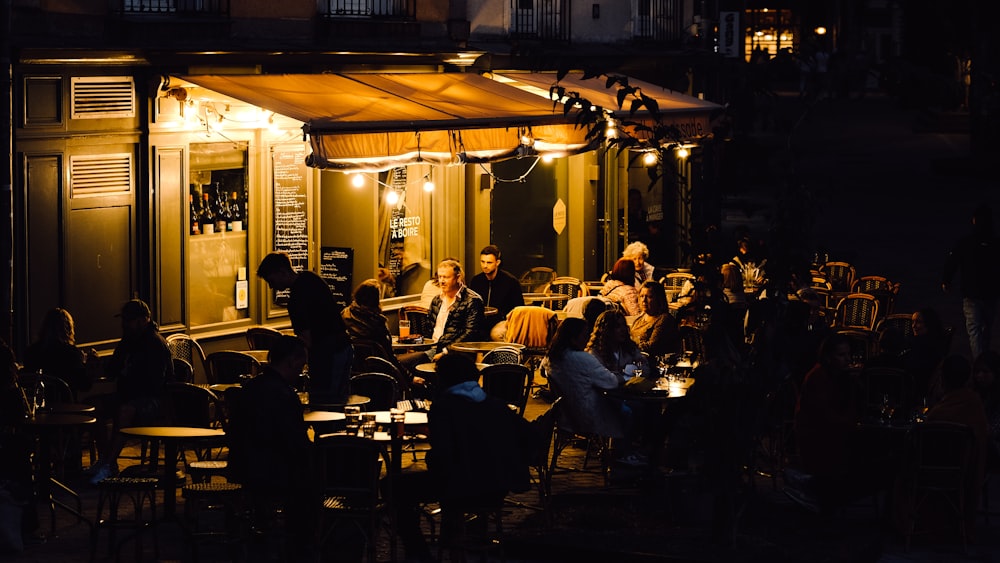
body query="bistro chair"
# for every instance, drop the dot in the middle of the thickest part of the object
(564, 285)
(376, 364)
(503, 355)
(879, 287)
(186, 348)
(901, 323)
(349, 470)
(183, 371)
(858, 311)
(535, 279)
(420, 323)
(380, 388)
(229, 366)
(673, 282)
(544, 426)
(938, 465)
(261, 337)
(510, 383)
(363, 349)
(840, 276)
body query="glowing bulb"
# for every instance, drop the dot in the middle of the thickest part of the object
(428, 186)
(357, 180)
(820, 30)
(527, 140)
(392, 198)
(683, 153)
(547, 158)
(649, 158)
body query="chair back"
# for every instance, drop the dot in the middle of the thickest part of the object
(544, 429)
(192, 405)
(535, 279)
(840, 275)
(261, 337)
(509, 383)
(531, 325)
(381, 388)
(563, 285)
(349, 468)
(941, 455)
(186, 348)
(881, 289)
(56, 388)
(183, 371)
(503, 355)
(673, 282)
(420, 323)
(857, 310)
(229, 366)
(378, 364)
(901, 323)
(364, 348)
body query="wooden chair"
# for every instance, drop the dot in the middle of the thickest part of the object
(187, 348)
(381, 388)
(420, 322)
(196, 407)
(840, 276)
(901, 323)
(564, 285)
(183, 371)
(508, 382)
(229, 366)
(879, 287)
(363, 348)
(673, 282)
(261, 337)
(535, 279)
(503, 355)
(857, 311)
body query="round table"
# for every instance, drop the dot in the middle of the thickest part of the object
(70, 408)
(483, 347)
(323, 416)
(49, 427)
(425, 344)
(172, 437)
(431, 367)
(544, 297)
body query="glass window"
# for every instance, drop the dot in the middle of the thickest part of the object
(217, 233)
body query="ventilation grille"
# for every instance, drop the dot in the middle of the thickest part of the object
(97, 97)
(100, 174)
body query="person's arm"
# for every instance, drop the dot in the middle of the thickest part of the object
(594, 371)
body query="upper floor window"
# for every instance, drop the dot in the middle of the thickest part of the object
(175, 6)
(368, 8)
(540, 19)
(657, 20)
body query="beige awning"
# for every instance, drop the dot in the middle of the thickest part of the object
(359, 121)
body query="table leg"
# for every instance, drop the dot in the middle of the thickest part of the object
(169, 478)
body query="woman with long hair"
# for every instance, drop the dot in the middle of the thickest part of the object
(620, 286)
(55, 352)
(655, 331)
(612, 345)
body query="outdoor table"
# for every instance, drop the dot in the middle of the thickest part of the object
(70, 408)
(664, 391)
(530, 298)
(425, 344)
(172, 437)
(259, 355)
(49, 427)
(431, 367)
(220, 388)
(323, 416)
(483, 347)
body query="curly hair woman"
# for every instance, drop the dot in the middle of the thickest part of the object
(611, 344)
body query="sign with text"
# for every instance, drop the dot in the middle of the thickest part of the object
(291, 220)
(729, 34)
(336, 267)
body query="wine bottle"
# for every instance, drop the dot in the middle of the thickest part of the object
(193, 216)
(236, 213)
(220, 209)
(207, 216)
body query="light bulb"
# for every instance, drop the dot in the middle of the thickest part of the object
(392, 198)
(428, 186)
(547, 158)
(357, 180)
(683, 152)
(649, 158)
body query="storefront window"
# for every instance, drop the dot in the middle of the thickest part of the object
(404, 231)
(217, 233)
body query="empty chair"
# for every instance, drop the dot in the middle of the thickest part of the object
(186, 348)
(840, 276)
(879, 287)
(365, 348)
(509, 383)
(563, 285)
(56, 389)
(194, 406)
(228, 366)
(503, 355)
(261, 337)
(902, 323)
(380, 388)
(858, 311)
(376, 364)
(535, 279)
(673, 282)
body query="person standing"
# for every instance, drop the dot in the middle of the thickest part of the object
(141, 366)
(498, 288)
(976, 259)
(316, 319)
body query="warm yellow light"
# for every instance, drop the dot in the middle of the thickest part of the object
(547, 158)
(759, 33)
(392, 197)
(357, 180)
(649, 158)
(527, 140)
(683, 152)
(428, 186)
(768, 37)
(820, 30)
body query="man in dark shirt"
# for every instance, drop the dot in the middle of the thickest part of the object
(141, 366)
(316, 319)
(976, 258)
(498, 288)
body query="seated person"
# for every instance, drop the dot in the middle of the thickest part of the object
(620, 286)
(479, 453)
(270, 449)
(498, 288)
(655, 331)
(365, 321)
(55, 352)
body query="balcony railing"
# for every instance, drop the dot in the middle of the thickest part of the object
(375, 9)
(169, 7)
(658, 20)
(546, 20)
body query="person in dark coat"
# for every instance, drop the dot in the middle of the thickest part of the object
(976, 260)
(498, 288)
(55, 352)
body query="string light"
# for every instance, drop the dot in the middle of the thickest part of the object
(649, 158)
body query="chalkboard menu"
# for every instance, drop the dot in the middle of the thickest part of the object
(291, 234)
(335, 267)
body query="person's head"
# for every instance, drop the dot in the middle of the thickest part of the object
(926, 322)
(367, 294)
(985, 371)
(135, 316)
(652, 298)
(276, 269)
(572, 334)
(623, 271)
(955, 372)
(288, 355)
(453, 369)
(638, 253)
(450, 276)
(835, 353)
(489, 260)
(57, 327)
(610, 330)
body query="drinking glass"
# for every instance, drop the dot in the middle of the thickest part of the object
(352, 416)
(398, 417)
(368, 425)
(404, 328)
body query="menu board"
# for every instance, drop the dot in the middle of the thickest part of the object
(335, 267)
(291, 234)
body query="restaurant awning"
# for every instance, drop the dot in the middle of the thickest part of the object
(359, 121)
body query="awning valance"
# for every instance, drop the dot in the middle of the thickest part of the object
(360, 121)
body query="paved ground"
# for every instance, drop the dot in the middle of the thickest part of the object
(887, 199)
